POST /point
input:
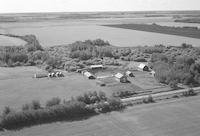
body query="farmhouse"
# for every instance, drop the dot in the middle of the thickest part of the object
(143, 67)
(129, 73)
(89, 75)
(96, 67)
(121, 78)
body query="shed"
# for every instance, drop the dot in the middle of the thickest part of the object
(40, 75)
(121, 78)
(129, 73)
(89, 75)
(152, 73)
(96, 67)
(143, 67)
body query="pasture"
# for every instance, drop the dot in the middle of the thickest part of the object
(176, 117)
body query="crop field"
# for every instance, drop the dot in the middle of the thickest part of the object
(178, 24)
(17, 86)
(179, 117)
(186, 32)
(73, 30)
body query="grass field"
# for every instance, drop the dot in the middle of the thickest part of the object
(178, 117)
(72, 30)
(17, 86)
(186, 32)
(10, 41)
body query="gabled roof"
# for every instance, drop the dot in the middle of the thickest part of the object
(142, 65)
(128, 72)
(88, 74)
(119, 75)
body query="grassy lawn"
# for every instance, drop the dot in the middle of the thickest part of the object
(178, 117)
(17, 86)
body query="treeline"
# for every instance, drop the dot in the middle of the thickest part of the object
(88, 49)
(181, 69)
(77, 108)
(19, 55)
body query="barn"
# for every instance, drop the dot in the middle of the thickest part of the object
(130, 74)
(121, 78)
(143, 67)
(89, 75)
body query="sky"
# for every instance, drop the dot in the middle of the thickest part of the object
(13, 6)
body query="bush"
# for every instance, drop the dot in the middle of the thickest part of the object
(6, 111)
(149, 99)
(190, 92)
(59, 112)
(34, 105)
(54, 101)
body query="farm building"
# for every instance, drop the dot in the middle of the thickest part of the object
(152, 73)
(89, 75)
(143, 67)
(96, 67)
(40, 75)
(129, 73)
(121, 78)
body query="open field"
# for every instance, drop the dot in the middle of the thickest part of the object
(178, 24)
(69, 31)
(186, 32)
(17, 86)
(116, 36)
(179, 117)
(10, 41)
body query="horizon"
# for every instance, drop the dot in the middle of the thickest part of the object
(99, 11)
(38, 6)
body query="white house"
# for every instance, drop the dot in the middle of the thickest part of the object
(129, 73)
(121, 78)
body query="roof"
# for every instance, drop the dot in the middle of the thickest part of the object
(96, 66)
(119, 75)
(142, 65)
(88, 74)
(128, 72)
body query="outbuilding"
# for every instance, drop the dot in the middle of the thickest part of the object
(130, 74)
(40, 75)
(96, 67)
(143, 67)
(89, 75)
(121, 77)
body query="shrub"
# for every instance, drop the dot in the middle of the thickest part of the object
(34, 105)
(149, 99)
(6, 111)
(190, 92)
(59, 112)
(54, 101)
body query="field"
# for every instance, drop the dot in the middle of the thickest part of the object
(178, 117)
(178, 24)
(186, 32)
(69, 31)
(17, 86)
(10, 41)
